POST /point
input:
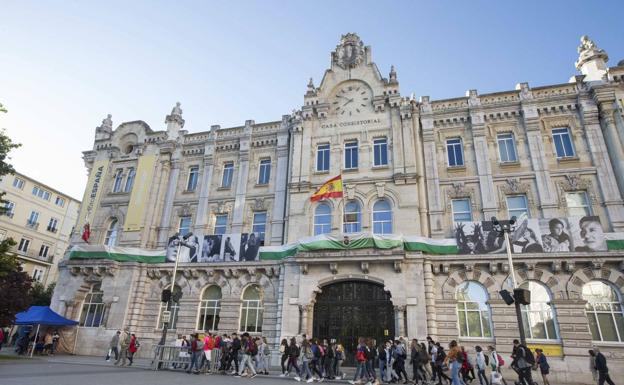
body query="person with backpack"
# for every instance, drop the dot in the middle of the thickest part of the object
(264, 355)
(360, 357)
(330, 355)
(454, 360)
(433, 354)
(317, 354)
(293, 352)
(306, 359)
(114, 346)
(522, 361)
(415, 362)
(496, 362)
(196, 351)
(124, 343)
(382, 362)
(440, 364)
(283, 349)
(234, 352)
(481, 363)
(400, 354)
(424, 361)
(371, 355)
(467, 369)
(249, 350)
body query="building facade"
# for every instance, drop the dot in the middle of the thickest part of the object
(438, 169)
(40, 220)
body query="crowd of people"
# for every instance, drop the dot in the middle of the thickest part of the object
(26, 338)
(311, 359)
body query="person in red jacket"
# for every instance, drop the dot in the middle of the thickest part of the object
(132, 348)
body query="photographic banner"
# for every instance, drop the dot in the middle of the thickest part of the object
(553, 235)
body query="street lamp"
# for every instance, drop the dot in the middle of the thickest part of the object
(520, 296)
(168, 295)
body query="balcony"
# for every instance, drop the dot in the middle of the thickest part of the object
(35, 256)
(8, 214)
(52, 229)
(32, 225)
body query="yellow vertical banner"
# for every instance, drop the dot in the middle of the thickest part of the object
(140, 193)
(93, 192)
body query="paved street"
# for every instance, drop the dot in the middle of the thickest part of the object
(81, 370)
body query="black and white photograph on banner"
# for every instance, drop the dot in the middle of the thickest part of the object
(587, 234)
(527, 237)
(190, 252)
(250, 246)
(211, 248)
(556, 235)
(230, 247)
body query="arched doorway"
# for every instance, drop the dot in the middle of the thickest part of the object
(347, 310)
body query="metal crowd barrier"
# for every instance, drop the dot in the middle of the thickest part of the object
(169, 357)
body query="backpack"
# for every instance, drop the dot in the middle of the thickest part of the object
(339, 355)
(460, 358)
(528, 356)
(360, 356)
(501, 362)
(252, 348)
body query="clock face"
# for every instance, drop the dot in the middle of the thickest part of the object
(351, 99)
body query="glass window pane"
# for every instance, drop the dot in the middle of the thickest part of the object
(607, 327)
(474, 324)
(463, 327)
(485, 319)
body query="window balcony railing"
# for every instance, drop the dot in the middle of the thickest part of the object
(32, 225)
(52, 229)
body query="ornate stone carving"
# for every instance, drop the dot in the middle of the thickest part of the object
(184, 210)
(304, 268)
(107, 124)
(459, 190)
(381, 190)
(555, 267)
(398, 266)
(350, 191)
(176, 115)
(473, 98)
(365, 267)
(259, 204)
(525, 91)
(350, 52)
(574, 182)
(311, 89)
(493, 267)
(333, 267)
(393, 76)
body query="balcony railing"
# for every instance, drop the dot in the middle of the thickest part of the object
(52, 229)
(32, 225)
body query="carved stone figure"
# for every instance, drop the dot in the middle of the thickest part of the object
(350, 52)
(107, 124)
(176, 111)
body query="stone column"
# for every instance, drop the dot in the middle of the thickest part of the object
(434, 197)
(398, 161)
(281, 174)
(201, 218)
(614, 145)
(489, 200)
(430, 303)
(304, 319)
(399, 320)
(165, 220)
(600, 159)
(544, 183)
(241, 180)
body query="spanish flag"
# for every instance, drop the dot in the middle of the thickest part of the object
(330, 189)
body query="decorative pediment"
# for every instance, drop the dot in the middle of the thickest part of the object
(184, 210)
(350, 52)
(259, 204)
(515, 186)
(574, 182)
(222, 207)
(458, 190)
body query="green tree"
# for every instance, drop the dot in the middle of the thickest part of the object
(42, 296)
(14, 283)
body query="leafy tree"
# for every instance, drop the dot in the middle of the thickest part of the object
(42, 296)
(14, 283)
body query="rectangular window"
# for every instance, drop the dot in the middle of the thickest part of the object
(23, 245)
(517, 205)
(129, 180)
(185, 225)
(228, 172)
(220, 224)
(507, 148)
(191, 184)
(259, 223)
(117, 181)
(351, 155)
(380, 152)
(33, 219)
(43, 251)
(322, 157)
(455, 152)
(264, 173)
(9, 209)
(60, 201)
(37, 275)
(563, 142)
(41, 193)
(461, 210)
(52, 225)
(18, 183)
(578, 204)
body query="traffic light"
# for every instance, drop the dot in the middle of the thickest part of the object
(523, 296)
(165, 296)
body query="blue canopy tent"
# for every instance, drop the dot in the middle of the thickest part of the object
(41, 315)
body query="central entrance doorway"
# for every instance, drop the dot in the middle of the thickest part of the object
(347, 310)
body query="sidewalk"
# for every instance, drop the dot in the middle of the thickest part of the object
(7, 355)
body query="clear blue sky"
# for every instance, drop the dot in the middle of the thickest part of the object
(66, 64)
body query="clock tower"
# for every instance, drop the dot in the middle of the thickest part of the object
(356, 124)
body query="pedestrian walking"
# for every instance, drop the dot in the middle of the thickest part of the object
(542, 364)
(249, 351)
(330, 357)
(602, 368)
(441, 365)
(234, 353)
(496, 362)
(113, 346)
(481, 364)
(306, 359)
(283, 349)
(467, 368)
(209, 345)
(454, 360)
(360, 357)
(417, 376)
(293, 358)
(132, 348)
(400, 355)
(592, 365)
(124, 343)
(522, 361)
(196, 353)
(339, 359)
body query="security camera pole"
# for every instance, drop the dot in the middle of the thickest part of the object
(505, 228)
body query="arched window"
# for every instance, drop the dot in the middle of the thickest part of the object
(352, 217)
(173, 306)
(539, 318)
(382, 217)
(209, 309)
(111, 233)
(251, 310)
(92, 314)
(473, 312)
(129, 180)
(604, 311)
(117, 181)
(322, 219)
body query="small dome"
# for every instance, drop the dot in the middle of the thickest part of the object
(621, 63)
